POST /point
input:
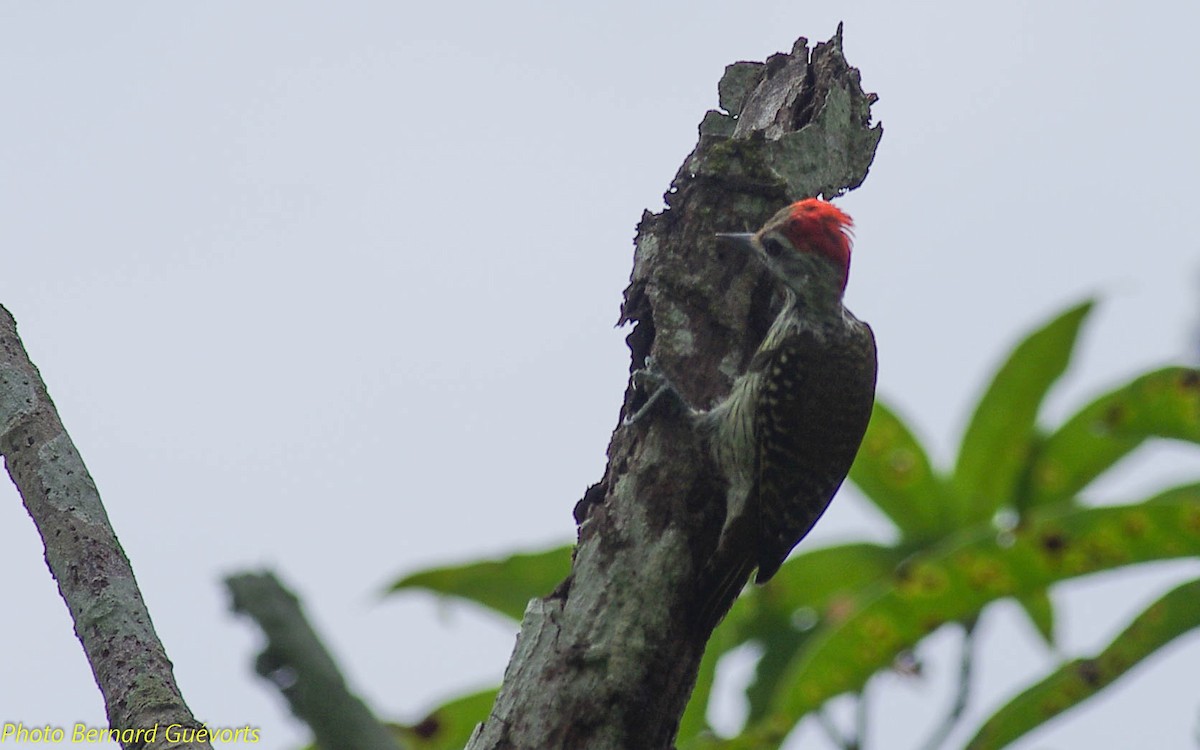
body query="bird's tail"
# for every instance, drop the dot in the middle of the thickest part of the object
(720, 585)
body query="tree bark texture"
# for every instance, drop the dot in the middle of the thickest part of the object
(93, 574)
(609, 660)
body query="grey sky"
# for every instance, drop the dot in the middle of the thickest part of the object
(331, 288)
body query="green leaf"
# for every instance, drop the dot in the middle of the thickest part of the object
(1164, 403)
(956, 579)
(1000, 436)
(1181, 493)
(780, 615)
(894, 472)
(505, 585)
(822, 579)
(1040, 610)
(449, 726)
(811, 587)
(1168, 618)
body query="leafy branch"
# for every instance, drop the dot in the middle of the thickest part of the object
(834, 617)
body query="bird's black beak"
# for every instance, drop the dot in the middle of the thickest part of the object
(741, 242)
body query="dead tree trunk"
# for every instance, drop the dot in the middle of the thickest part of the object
(609, 660)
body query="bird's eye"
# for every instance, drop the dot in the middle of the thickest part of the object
(773, 247)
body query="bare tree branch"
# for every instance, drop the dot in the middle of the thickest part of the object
(609, 660)
(297, 663)
(93, 574)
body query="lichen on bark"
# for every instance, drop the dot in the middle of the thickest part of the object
(93, 574)
(609, 659)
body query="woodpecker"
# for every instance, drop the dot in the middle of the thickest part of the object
(789, 429)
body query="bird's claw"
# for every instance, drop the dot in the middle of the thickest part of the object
(662, 393)
(649, 379)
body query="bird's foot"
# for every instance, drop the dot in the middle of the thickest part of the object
(663, 394)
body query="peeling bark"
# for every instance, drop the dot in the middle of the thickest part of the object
(609, 660)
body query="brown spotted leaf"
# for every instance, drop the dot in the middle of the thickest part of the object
(1002, 432)
(1164, 403)
(894, 472)
(449, 726)
(1076, 681)
(956, 579)
(1040, 611)
(811, 587)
